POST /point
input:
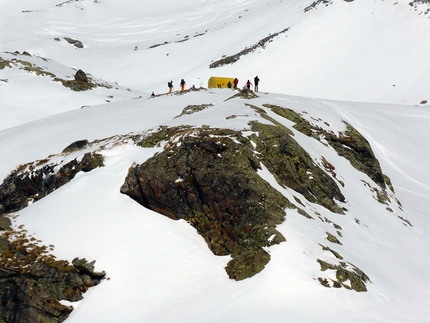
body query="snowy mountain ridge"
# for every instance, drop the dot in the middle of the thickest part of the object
(372, 58)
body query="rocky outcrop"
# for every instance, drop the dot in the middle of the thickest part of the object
(31, 182)
(347, 276)
(75, 42)
(80, 76)
(211, 181)
(349, 144)
(32, 280)
(5, 224)
(231, 59)
(294, 168)
(81, 82)
(244, 94)
(32, 283)
(354, 147)
(76, 145)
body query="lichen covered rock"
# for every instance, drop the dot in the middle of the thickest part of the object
(33, 281)
(349, 144)
(210, 179)
(347, 276)
(294, 168)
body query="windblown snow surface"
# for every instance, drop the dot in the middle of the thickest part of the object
(363, 62)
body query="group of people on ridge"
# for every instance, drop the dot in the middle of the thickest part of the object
(182, 84)
(247, 85)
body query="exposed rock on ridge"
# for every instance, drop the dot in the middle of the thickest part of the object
(211, 180)
(350, 144)
(32, 280)
(34, 181)
(234, 58)
(294, 168)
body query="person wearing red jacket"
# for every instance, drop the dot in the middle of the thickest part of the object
(248, 84)
(235, 82)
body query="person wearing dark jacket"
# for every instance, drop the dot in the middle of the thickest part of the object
(256, 81)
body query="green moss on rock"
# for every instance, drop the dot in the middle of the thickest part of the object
(210, 179)
(388, 182)
(4, 63)
(162, 134)
(36, 69)
(350, 144)
(301, 124)
(332, 238)
(76, 85)
(190, 109)
(293, 167)
(354, 147)
(354, 278)
(247, 263)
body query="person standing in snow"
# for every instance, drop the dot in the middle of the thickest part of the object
(235, 82)
(182, 85)
(248, 84)
(170, 85)
(256, 81)
(229, 85)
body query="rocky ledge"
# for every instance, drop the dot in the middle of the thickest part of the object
(33, 282)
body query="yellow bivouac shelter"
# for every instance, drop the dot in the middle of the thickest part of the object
(220, 82)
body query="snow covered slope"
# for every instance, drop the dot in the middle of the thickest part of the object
(372, 51)
(161, 270)
(33, 87)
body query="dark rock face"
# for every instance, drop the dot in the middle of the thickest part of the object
(32, 280)
(234, 58)
(30, 289)
(80, 76)
(75, 42)
(354, 147)
(23, 186)
(210, 180)
(79, 144)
